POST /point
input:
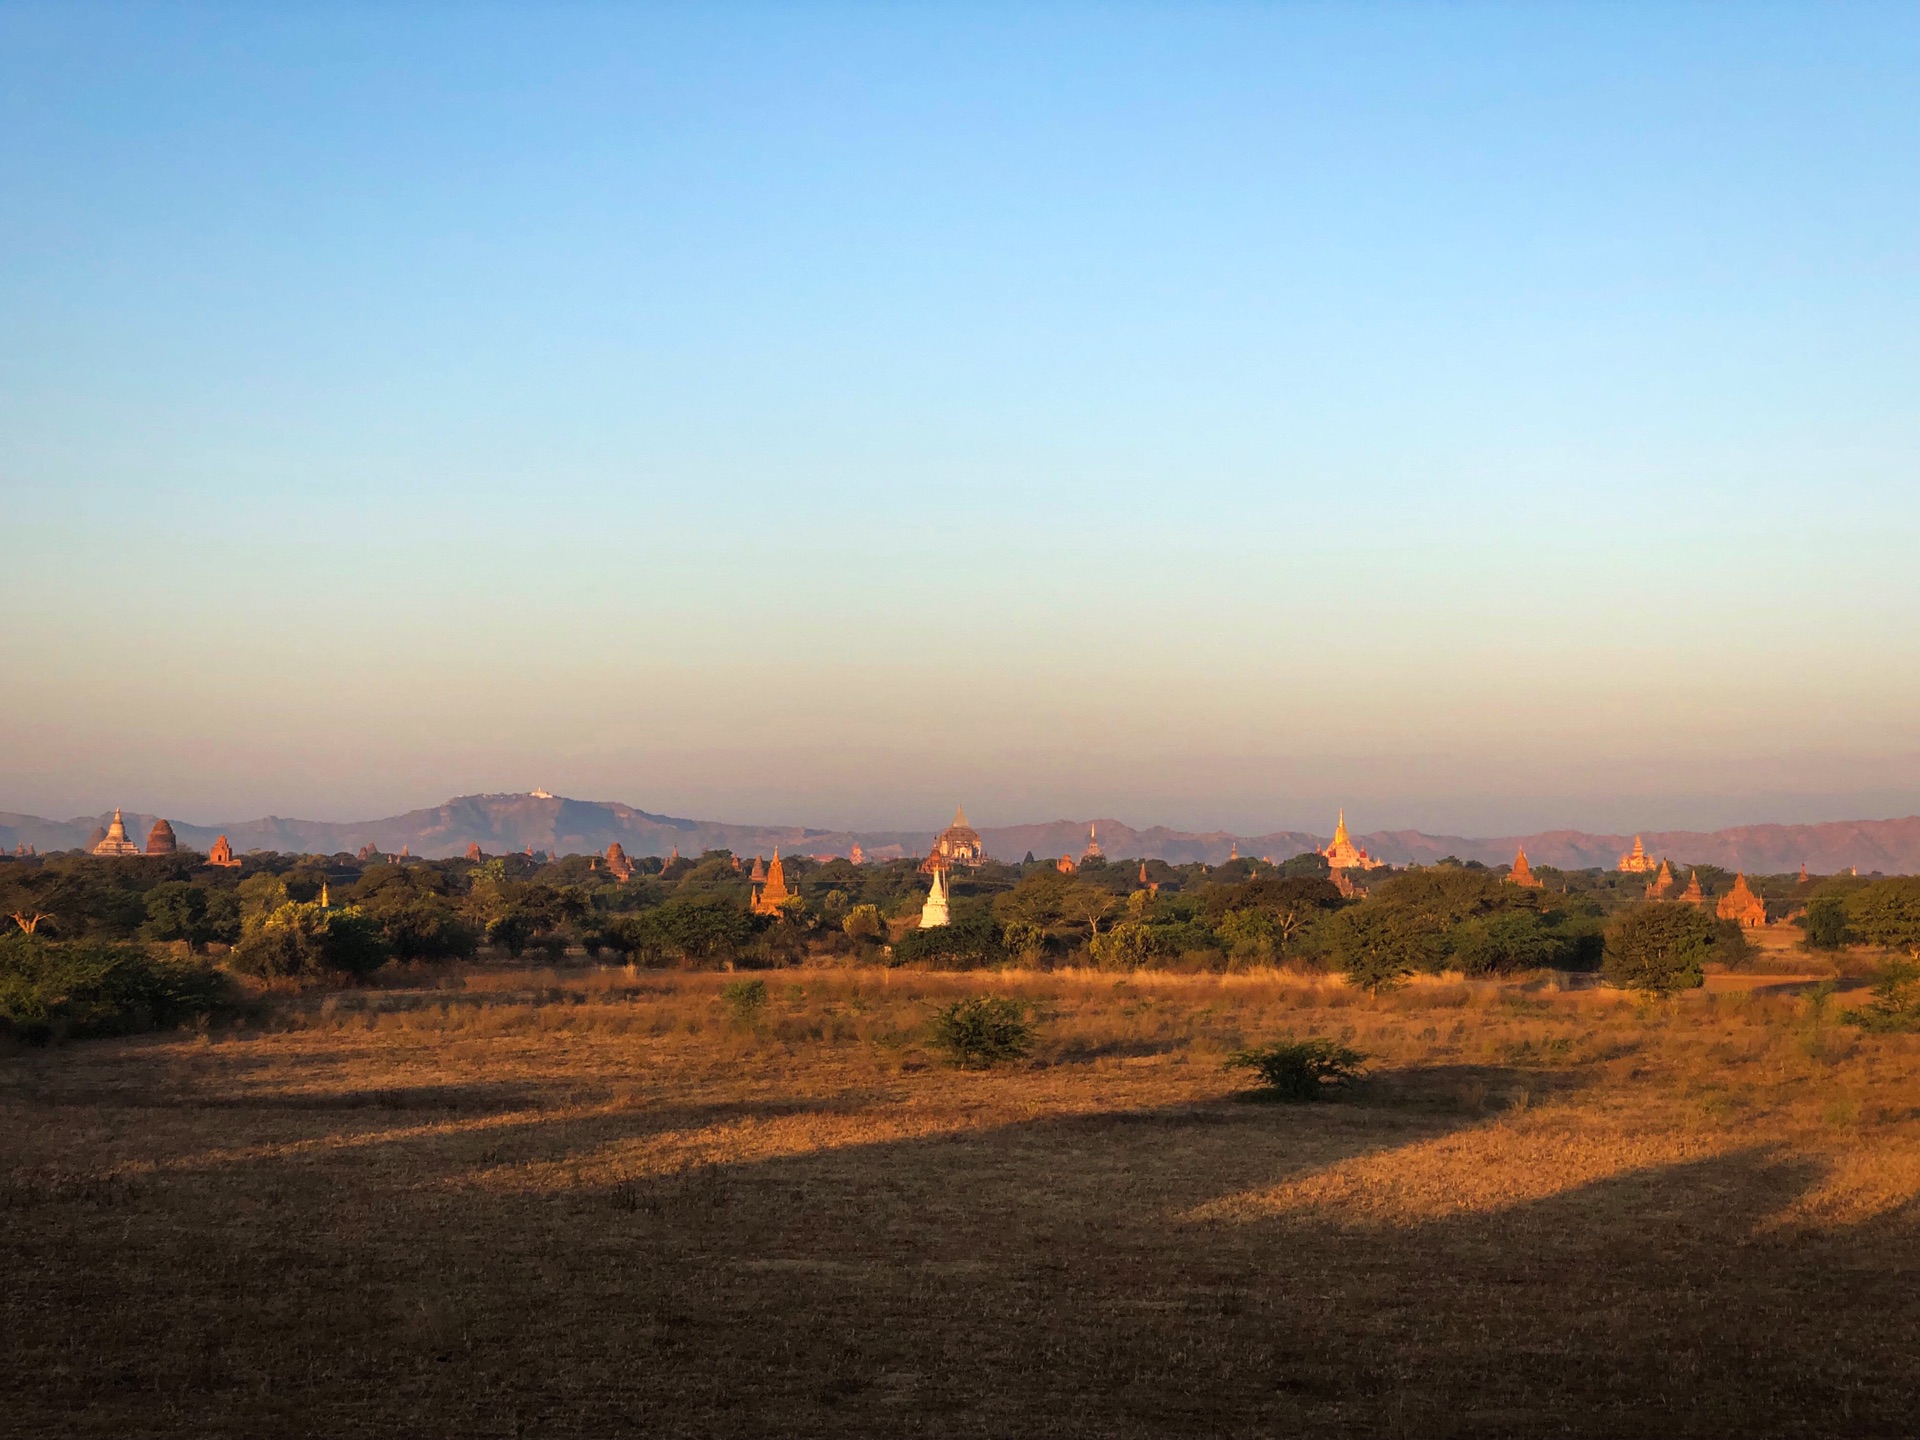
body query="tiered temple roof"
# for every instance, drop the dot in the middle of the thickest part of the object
(1693, 894)
(1342, 854)
(774, 894)
(958, 844)
(1636, 861)
(116, 841)
(1658, 887)
(1742, 906)
(221, 854)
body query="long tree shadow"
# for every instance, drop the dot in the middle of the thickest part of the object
(1038, 1277)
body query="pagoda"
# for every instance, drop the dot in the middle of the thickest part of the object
(1693, 895)
(618, 865)
(116, 840)
(160, 839)
(221, 854)
(1658, 887)
(1522, 873)
(856, 855)
(772, 896)
(1093, 850)
(958, 844)
(1342, 854)
(934, 912)
(1742, 906)
(1636, 861)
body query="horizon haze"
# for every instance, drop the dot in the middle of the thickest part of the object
(1488, 419)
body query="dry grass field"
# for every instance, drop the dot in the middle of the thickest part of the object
(587, 1202)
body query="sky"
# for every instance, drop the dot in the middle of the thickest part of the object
(1489, 418)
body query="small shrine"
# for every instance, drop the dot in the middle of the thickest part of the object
(221, 854)
(1661, 883)
(934, 912)
(1522, 873)
(618, 865)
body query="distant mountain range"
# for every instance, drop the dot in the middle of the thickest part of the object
(498, 823)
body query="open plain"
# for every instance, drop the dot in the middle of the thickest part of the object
(492, 1201)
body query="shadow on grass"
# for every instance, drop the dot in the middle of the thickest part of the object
(1019, 1278)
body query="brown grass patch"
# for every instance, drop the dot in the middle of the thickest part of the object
(593, 1202)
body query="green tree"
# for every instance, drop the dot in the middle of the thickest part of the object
(1825, 924)
(310, 940)
(176, 911)
(1378, 945)
(1659, 947)
(1887, 913)
(1507, 940)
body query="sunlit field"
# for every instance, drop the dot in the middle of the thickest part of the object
(594, 1201)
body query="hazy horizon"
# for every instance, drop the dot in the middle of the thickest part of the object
(1488, 419)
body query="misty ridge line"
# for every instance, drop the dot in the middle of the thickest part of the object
(541, 822)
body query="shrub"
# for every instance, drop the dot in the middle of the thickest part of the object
(1299, 1070)
(309, 940)
(1660, 947)
(983, 1030)
(964, 945)
(1127, 946)
(1896, 999)
(745, 998)
(50, 990)
(1506, 941)
(864, 922)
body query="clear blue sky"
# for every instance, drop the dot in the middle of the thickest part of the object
(1487, 417)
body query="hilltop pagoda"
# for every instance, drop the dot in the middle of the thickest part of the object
(1342, 854)
(1742, 906)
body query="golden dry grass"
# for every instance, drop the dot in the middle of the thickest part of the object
(592, 1203)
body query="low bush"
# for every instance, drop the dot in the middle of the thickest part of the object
(1299, 1070)
(744, 999)
(309, 940)
(967, 944)
(52, 991)
(983, 1030)
(1896, 999)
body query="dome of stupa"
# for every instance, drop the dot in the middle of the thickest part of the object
(160, 839)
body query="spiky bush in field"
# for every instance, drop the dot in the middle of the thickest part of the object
(1297, 1070)
(983, 1030)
